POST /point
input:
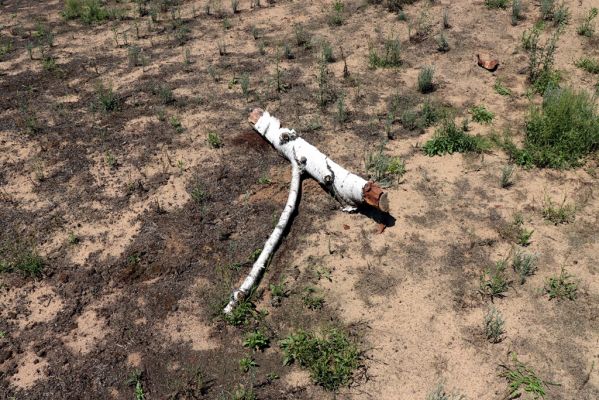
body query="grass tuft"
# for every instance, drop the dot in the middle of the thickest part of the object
(425, 79)
(524, 265)
(331, 357)
(481, 115)
(558, 213)
(494, 281)
(495, 4)
(494, 325)
(450, 139)
(522, 380)
(383, 168)
(561, 287)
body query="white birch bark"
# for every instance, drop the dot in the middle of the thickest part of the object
(348, 188)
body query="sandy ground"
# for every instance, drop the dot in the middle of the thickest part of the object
(132, 293)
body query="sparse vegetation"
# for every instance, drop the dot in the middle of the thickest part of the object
(450, 139)
(587, 27)
(516, 11)
(494, 281)
(88, 11)
(522, 380)
(20, 256)
(442, 44)
(494, 325)
(507, 174)
(481, 114)
(496, 3)
(391, 56)
(425, 79)
(501, 89)
(561, 213)
(383, 168)
(524, 265)
(312, 298)
(107, 99)
(330, 357)
(135, 380)
(439, 393)
(214, 140)
(246, 364)
(562, 286)
(256, 341)
(590, 65)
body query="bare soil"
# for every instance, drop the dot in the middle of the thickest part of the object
(141, 287)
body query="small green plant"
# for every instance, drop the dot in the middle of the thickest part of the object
(494, 4)
(312, 299)
(2, 334)
(391, 56)
(234, 6)
(587, 28)
(214, 140)
(547, 8)
(302, 37)
(241, 314)
(507, 175)
(325, 92)
(561, 15)
(244, 82)
(164, 93)
(522, 380)
(383, 168)
(135, 380)
(278, 291)
(562, 286)
(254, 256)
(341, 109)
(330, 357)
(88, 11)
(288, 52)
(72, 239)
(442, 44)
(523, 236)
(222, 47)
(439, 393)
(327, 52)
(590, 65)
(494, 325)
(450, 139)
(176, 123)
(21, 256)
(256, 341)
(561, 213)
(501, 89)
(425, 79)
(264, 180)
(494, 281)
(247, 363)
(107, 98)
(481, 115)
(516, 11)
(524, 265)
(336, 17)
(446, 23)
(198, 193)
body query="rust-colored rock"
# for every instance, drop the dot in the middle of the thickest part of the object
(488, 64)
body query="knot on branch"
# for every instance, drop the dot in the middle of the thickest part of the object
(286, 135)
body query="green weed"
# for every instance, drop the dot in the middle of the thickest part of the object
(590, 65)
(494, 4)
(561, 213)
(21, 256)
(587, 28)
(312, 299)
(523, 380)
(107, 99)
(524, 265)
(561, 132)
(331, 357)
(501, 89)
(494, 281)
(88, 11)
(442, 44)
(507, 175)
(439, 393)
(256, 341)
(241, 314)
(383, 168)
(481, 114)
(425, 79)
(247, 363)
(336, 17)
(214, 140)
(562, 286)
(390, 57)
(494, 325)
(450, 139)
(135, 380)
(516, 11)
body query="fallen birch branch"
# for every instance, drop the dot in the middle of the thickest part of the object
(350, 189)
